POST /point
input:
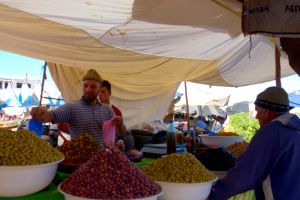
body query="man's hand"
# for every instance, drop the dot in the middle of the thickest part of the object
(117, 120)
(38, 113)
(120, 145)
(41, 114)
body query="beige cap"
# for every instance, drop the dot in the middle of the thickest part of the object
(92, 74)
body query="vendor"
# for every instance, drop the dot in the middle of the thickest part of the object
(85, 115)
(104, 96)
(270, 165)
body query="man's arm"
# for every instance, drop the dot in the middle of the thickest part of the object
(121, 128)
(116, 110)
(252, 167)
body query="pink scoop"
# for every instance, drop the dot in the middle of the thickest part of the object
(109, 132)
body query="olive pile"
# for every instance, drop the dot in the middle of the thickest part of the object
(19, 148)
(108, 174)
(237, 148)
(217, 159)
(224, 133)
(178, 168)
(79, 149)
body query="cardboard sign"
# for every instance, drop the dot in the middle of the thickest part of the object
(273, 17)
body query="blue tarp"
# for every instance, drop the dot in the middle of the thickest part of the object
(27, 97)
(55, 101)
(294, 98)
(2, 104)
(60, 101)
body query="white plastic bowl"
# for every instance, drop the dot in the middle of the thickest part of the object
(186, 191)
(72, 197)
(223, 141)
(18, 181)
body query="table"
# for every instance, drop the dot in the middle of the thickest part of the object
(51, 192)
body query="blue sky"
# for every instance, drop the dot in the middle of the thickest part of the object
(16, 66)
(13, 65)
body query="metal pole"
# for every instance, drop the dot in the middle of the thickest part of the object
(277, 67)
(187, 106)
(43, 81)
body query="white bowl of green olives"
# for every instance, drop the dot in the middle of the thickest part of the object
(18, 181)
(27, 163)
(186, 191)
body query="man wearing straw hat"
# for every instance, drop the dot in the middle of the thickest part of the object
(271, 164)
(85, 115)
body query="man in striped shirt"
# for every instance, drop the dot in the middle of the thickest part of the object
(85, 115)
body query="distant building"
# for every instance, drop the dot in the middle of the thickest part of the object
(17, 83)
(21, 95)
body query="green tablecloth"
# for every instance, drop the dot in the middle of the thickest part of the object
(250, 195)
(144, 162)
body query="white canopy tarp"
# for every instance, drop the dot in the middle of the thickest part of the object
(243, 106)
(144, 48)
(211, 110)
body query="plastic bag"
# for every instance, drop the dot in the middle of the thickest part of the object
(109, 133)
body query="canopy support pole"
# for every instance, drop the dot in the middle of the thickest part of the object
(187, 116)
(278, 67)
(43, 82)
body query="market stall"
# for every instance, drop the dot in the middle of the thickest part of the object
(144, 48)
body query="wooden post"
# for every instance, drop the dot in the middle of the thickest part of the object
(43, 81)
(187, 106)
(277, 67)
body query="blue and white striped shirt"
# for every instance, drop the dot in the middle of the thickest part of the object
(82, 117)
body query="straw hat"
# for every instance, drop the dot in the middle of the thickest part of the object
(273, 98)
(92, 74)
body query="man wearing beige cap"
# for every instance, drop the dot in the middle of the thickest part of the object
(85, 115)
(271, 164)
